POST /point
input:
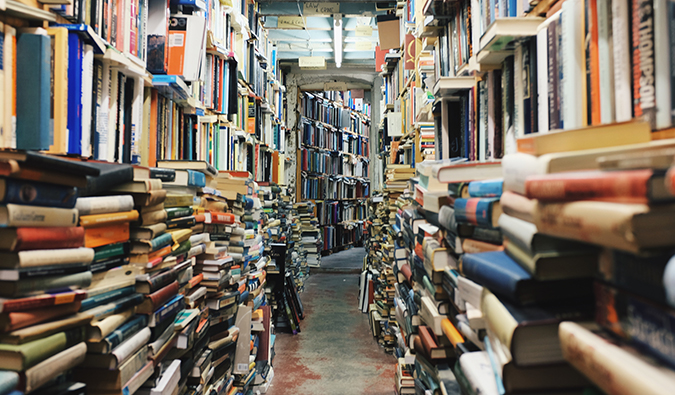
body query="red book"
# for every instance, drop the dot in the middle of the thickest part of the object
(21, 319)
(222, 218)
(40, 301)
(157, 299)
(630, 186)
(21, 239)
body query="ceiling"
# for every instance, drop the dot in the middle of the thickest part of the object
(313, 34)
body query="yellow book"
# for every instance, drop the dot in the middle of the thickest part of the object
(59, 99)
(602, 136)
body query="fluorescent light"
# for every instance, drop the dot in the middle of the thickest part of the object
(337, 38)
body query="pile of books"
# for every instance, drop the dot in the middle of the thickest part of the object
(45, 270)
(311, 237)
(396, 177)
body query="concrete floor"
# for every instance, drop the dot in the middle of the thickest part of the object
(335, 353)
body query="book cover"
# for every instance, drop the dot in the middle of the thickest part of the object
(33, 70)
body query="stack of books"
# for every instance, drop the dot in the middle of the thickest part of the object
(313, 239)
(396, 176)
(45, 268)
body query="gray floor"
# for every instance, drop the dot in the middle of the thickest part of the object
(349, 260)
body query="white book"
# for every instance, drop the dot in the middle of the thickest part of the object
(518, 114)
(491, 115)
(131, 345)
(622, 61)
(167, 383)
(477, 368)
(662, 59)
(572, 63)
(606, 60)
(9, 59)
(104, 204)
(112, 112)
(542, 76)
(482, 120)
(137, 120)
(87, 89)
(53, 366)
(102, 114)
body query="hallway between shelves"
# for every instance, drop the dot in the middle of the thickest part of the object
(335, 352)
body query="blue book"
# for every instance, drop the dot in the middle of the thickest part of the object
(506, 278)
(486, 188)
(8, 381)
(33, 110)
(196, 179)
(476, 211)
(75, 57)
(161, 241)
(35, 193)
(107, 297)
(174, 305)
(123, 332)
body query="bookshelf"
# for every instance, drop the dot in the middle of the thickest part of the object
(489, 82)
(333, 171)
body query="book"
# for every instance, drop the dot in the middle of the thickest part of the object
(41, 258)
(147, 232)
(33, 61)
(506, 278)
(142, 186)
(592, 137)
(482, 212)
(34, 216)
(585, 348)
(38, 301)
(530, 333)
(116, 379)
(104, 204)
(38, 331)
(156, 299)
(98, 220)
(464, 172)
(53, 366)
(18, 191)
(630, 186)
(200, 166)
(31, 286)
(554, 265)
(28, 238)
(628, 227)
(151, 198)
(23, 356)
(121, 353)
(12, 321)
(107, 234)
(121, 333)
(42, 271)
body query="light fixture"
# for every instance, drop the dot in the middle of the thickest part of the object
(337, 38)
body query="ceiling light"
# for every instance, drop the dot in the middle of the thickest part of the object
(337, 38)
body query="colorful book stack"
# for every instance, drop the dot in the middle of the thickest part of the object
(46, 267)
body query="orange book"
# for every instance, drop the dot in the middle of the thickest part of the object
(275, 167)
(595, 62)
(199, 218)
(451, 332)
(162, 252)
(90, 221)
(108, 234)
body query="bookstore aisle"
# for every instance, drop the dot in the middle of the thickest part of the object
(334, 354)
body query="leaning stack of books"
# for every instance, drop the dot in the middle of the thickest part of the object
(590, 203)
(45, 267)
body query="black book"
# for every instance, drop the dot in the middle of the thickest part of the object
(166, 175)
(110, 175)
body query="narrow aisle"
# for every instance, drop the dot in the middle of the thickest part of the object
(335, 353)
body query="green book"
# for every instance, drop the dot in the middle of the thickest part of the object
(110, 250)
(177, 212)
(23, 356)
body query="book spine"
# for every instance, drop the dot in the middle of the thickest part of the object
(552, 79)
(125, 332)
(177, 212)
(57, 270)
(644, 95)
(39, 194)
(96, 220)
(36, 302)
(162, 280)
(491, 188)
(475, 211)
(623, 96)
(542, 80)
(33, 65)
(36, 258)
(174, 305)
(662, 59)
(626, 186)
(131, 345)
(99, 330)
(33, 216)
(117, 306)
(161, 296)
(105, 298)
(29, 286)
(104, 235)
(104, 204)
(160, 241)
(181, 223)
